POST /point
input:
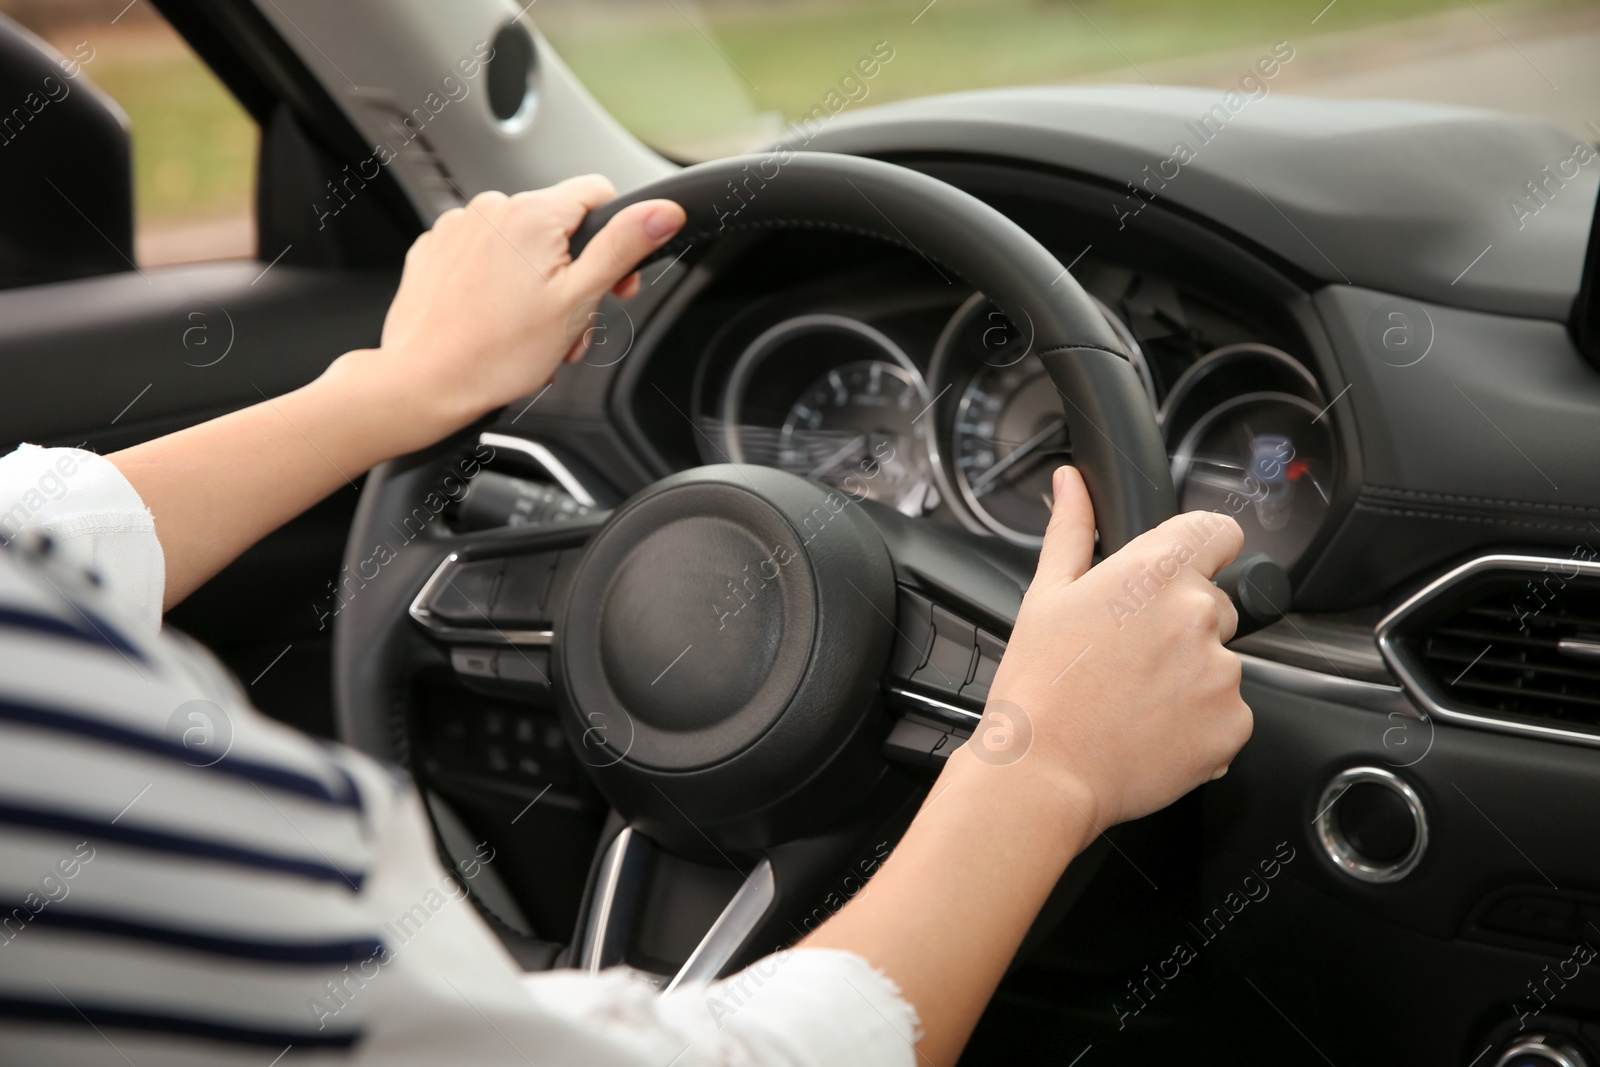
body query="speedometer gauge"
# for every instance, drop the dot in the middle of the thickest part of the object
(1267, 459)
(1009, 436)
(1008, 433)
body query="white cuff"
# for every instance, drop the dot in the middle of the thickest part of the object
(88, 509)
(801, 1008)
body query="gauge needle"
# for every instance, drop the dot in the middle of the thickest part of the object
(1017, 455)
(838, 457)
(1319, 488)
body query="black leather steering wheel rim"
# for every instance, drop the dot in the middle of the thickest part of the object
(1116, 444)
(378, 646)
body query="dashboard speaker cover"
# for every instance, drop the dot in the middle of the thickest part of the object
(717, 661)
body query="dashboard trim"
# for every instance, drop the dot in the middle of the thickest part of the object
(954, 715)
(1334, 688)
(546, 460)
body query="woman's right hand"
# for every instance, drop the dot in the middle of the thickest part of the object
(1115, 689)
(1114, 698)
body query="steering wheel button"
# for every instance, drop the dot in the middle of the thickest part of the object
(990, 649)
(525, 670)
(523, 596)
(952, 658)
(466, 593)
(915, 742)
(473, 662)
(914, 634)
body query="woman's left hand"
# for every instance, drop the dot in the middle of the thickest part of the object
(491, 301)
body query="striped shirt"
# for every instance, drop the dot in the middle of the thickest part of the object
(186, 881)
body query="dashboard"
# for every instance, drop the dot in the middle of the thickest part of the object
(872, 371)
(1257, 299)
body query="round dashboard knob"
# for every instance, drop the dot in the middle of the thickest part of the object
(1372, 824)
(1541, 1050)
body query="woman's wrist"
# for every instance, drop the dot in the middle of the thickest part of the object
(397, 413)
(1060, 810)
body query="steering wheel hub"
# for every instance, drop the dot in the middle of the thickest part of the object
(692, 623)
(724, 637)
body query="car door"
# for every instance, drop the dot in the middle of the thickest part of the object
(101, 349)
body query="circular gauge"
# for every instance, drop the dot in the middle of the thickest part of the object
(1009, 435)
(851, 428)
(1218, 375)
(1009, 431)
(1265, 459)
(834, 400)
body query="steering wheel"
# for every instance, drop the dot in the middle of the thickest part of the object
(734, 650)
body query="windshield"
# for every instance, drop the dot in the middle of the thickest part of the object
(698, 80)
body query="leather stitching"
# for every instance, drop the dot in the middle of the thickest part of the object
(780, 223)
(1092, 347)
(1422, 494)
(1484, 520)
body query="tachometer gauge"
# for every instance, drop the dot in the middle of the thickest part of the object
(852, 428)
(1267, 459)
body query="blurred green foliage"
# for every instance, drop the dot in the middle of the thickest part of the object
(688, 77)
(194, 147)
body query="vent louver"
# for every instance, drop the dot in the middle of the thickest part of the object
(1511, 642)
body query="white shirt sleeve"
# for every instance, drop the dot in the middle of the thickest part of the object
(82, 502)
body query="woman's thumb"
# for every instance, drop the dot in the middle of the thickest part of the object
(1068, 550)
(619, 247)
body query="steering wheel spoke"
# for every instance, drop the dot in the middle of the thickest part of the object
(956, 600)
(493, 601)
(681, 919)
(622, 880)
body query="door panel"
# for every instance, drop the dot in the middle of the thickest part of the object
(107, 362)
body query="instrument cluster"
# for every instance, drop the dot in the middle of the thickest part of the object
(969, 428)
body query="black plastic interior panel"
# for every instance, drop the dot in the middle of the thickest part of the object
(1504, 820)
(1473, 409)
(118, 359)
(1476, 431)
(313, 210)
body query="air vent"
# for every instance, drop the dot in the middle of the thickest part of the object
(1507, 642)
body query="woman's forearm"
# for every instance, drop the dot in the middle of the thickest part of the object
(489, 304)
(1093, 719)
(947, 911)
(217, 488)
